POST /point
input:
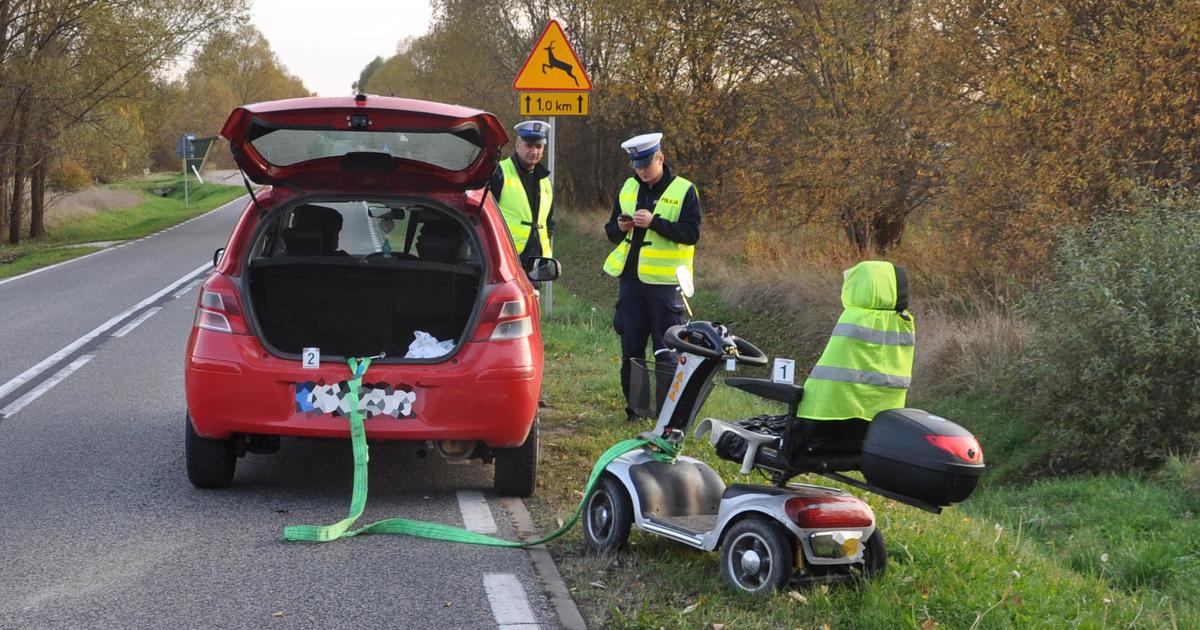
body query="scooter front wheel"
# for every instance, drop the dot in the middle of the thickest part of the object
(757, 555)
(607, 516)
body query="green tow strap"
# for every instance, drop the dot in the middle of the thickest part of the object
(664, 452)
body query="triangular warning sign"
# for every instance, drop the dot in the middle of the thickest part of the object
(553, 65)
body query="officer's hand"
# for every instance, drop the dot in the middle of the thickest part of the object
(643, 218)
(625, 222)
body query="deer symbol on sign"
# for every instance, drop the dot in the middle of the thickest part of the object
(556, 63)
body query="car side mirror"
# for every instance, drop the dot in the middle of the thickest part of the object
(217, 256)
(540, 269)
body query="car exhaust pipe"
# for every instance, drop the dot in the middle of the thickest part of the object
(455, 450)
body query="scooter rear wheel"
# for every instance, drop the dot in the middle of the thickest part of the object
(607, 516)
(757, 555)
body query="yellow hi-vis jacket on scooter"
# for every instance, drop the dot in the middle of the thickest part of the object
(867, 366)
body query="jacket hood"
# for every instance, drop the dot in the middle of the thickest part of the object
(875, 284)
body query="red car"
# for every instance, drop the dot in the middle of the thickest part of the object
(373, 236)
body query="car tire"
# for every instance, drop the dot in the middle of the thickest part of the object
(210, 463)
(516, 468)
(757, 556)
(607, 516)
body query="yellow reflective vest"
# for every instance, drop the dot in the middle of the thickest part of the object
(867, 366)
(514, 206)
(659, 256)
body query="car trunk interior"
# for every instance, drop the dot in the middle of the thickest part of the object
(351, 299)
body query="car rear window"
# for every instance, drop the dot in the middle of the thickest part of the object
(452, 150)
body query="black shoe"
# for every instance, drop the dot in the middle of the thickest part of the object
(632, 417)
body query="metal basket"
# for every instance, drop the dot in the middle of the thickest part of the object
(641, 385)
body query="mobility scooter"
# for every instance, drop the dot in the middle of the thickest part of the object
(773, 535)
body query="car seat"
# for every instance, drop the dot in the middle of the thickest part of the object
(324, 221)
(441, 241)
(302, 242)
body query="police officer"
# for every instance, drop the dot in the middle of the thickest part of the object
(655, 225)
(521, 186)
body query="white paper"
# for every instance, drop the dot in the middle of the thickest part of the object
(310, 358)
(784, 371)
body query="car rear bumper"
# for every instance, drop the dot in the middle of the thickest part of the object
(487, 392)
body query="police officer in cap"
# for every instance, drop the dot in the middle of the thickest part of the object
(521, 186)
(655, 225)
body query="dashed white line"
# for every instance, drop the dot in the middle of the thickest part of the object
(476, 514)
(36, 392)
(128, 328)
(44, 364)
(509, 604)
(109, 249)
(182, 292)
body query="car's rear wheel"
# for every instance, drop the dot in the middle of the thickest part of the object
(516, 468)
(210, 463)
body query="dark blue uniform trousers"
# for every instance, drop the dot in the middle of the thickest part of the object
(644, 310)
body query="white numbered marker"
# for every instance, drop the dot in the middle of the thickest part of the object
(730, 365)
(310, 359)
(784, 371)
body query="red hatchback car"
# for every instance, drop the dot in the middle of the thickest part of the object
(373, 236)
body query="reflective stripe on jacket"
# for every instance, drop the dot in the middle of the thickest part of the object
(514, 205)
(658, 256)
(867, 365)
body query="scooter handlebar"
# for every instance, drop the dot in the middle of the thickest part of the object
(677, 338)
(749, 353)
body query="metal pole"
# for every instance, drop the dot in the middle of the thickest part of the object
(550, 161)
(185, 187)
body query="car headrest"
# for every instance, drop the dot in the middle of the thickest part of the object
(303, 241)
(440, 242)
(323, 219)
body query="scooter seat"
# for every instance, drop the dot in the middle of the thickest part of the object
(815, 449)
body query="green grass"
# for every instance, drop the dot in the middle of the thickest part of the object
(152, 215)
(1014, 555)
(963, 566)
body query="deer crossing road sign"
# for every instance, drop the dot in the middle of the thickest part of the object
(553, 66)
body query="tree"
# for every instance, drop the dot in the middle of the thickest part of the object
(65, 63)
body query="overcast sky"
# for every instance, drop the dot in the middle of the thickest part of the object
(327, 42)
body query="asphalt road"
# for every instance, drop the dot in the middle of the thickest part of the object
(101, 528)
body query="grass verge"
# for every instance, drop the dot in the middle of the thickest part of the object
(1081, 552)
(962, 569)
(155, 213)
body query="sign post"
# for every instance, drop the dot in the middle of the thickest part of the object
(552, 82)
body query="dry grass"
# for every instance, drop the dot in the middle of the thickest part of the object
(64, 207)
(967, 329)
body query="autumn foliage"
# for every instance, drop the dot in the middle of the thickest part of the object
(999, 122)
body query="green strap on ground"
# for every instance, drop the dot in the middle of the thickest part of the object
(664, 452)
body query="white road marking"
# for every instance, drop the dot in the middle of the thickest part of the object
(35, 371)
(128, 328)
(109, 249)
(36, 392)
(509, 605)
(371, 231)
(182, 292)
(476, 514)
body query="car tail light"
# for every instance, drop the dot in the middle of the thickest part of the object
(219, 309)
(505, 316)
(963, 447)
(828, 511)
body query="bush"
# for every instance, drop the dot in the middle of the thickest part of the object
(1112, 362)
(69, 176)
